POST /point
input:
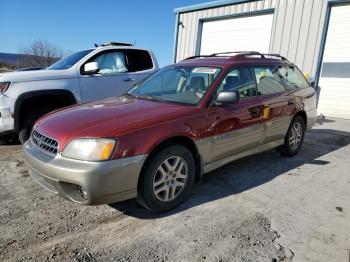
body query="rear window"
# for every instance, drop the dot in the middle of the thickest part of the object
(139, 60)
(293, 77)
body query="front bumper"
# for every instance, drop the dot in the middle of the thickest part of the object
(85, 182)
(6, 120)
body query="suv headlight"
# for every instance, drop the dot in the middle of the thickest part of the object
(4, 86)
(90, 149)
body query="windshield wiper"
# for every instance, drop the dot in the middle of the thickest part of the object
(129, 95)
(145, 97)
(148, 97)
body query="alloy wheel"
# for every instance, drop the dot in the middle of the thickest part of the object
(295, 136)
(170, 178)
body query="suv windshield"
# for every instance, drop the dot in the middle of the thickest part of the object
(69, 61)
(185, 85)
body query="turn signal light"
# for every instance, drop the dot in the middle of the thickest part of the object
(107, 151)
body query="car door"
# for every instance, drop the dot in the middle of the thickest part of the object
(278, 106)
(113, 78)
(234, 128)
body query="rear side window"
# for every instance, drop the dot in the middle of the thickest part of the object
(139, 60)
(240, 79)
(268, 80)
(293, 77)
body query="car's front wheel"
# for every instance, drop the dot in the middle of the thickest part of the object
(28, 123)
(294, 137)
(167, 179)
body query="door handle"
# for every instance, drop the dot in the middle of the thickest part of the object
(254, 111)
(129, 79)
(290, 102)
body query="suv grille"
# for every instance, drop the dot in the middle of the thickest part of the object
(44, 143)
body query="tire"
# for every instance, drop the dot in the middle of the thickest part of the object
(167, 179)
(294, 137)
(27, 126)
(23, 135)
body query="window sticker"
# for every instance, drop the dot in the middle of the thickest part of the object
(205, 70)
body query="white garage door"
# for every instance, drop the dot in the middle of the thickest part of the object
(335, 75)
(250, 33)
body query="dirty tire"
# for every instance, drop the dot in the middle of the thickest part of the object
(27, 126)
(167, 179)
(296, 132)
(23, 135)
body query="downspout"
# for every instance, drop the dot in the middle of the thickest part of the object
(322, 45)
(176, 35)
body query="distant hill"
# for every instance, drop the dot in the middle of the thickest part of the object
(12, 62)
(10, 59)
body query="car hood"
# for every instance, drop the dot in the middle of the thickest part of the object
(107, 118)
(36, 75)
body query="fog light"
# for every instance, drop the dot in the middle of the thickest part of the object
(82, 192)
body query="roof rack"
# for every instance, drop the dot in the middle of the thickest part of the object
(114, 44)
(196, 56)
(277, 55)
(239, 53)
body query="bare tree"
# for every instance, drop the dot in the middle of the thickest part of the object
(40, 54)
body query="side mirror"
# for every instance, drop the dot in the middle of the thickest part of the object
(224, 98)
(91, 68)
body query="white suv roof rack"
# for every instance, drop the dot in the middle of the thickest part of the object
(114, 44)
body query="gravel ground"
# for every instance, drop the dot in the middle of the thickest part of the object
(232, 215)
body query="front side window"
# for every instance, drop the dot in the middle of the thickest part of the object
(111, 63)
(69, 61)
(185, 85)
(268, 80)
(240, 79)
(293, 77)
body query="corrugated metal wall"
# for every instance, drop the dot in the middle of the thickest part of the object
(296, 33)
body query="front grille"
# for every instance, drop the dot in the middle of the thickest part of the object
(44, 143)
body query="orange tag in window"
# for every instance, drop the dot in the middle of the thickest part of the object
(266, 112)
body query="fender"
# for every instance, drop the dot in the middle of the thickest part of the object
(21, 98)
(190, 144)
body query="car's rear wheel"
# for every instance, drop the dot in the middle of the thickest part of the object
(294, 137)
(167, 179)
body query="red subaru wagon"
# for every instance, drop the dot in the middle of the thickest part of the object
(183, 121)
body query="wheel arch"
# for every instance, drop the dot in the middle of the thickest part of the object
(66, 95)
(177, 140)
(303, 115)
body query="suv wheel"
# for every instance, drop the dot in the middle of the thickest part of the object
(27, 125)
(167, 179)
(294, 138)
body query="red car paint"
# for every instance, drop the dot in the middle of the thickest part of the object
(140, 125)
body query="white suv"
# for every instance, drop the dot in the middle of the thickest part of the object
(88, 75)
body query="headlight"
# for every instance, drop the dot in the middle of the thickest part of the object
(4, 86)
(90, 149)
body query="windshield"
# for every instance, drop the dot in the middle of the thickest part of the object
(185, 85)
(69, 61)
